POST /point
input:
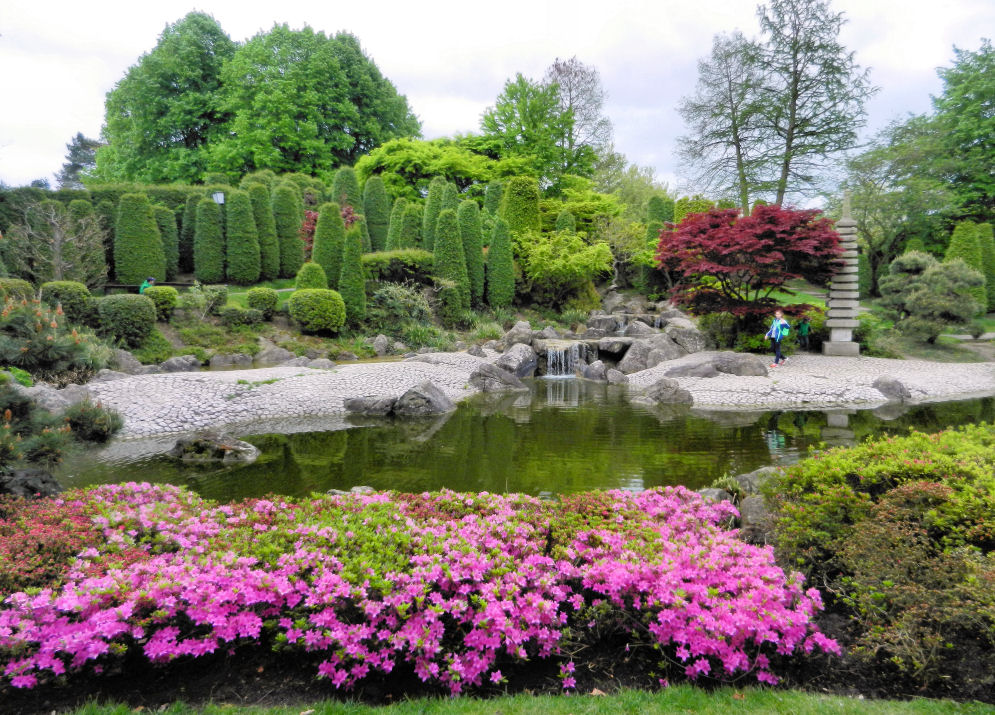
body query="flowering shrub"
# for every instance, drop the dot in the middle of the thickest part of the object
(455, 586)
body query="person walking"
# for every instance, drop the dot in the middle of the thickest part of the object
(149, 282)
(804, 326)
(779, 330)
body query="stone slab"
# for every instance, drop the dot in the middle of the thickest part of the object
(839, 348)
(842, 323)
(844, 294)
(843, 304)
(845, 269)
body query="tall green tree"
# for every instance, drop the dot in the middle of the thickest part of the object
(345, 189)
(450, 197)
(500, 267)
(329, 242)
(51, 242)
(986, 238)
(81, 160)
(468, 216)
(166, 222)
(449, 264)
(433, 205)
(352, 281)
(520, 205)
(582, 98)
(966, 246)
(138, 250)
(242, 239)
(411, 227)
(269, 243)
(185, 237)
(162, 116)
(288, 213)
(492, 197)
(209, 243)
(376, 209)
(396, 221)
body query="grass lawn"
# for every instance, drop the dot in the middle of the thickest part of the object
(804, 292)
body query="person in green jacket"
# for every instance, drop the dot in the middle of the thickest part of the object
(804, 327)
(149, 282)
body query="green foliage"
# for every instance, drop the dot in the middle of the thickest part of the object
(266, 177)
(288, 212)
(165, 220)
(411, 227)
(394, 227)
(235, 315)
(345, 189)
(394, 305)
(40, 340)
(91, 422)
(520, 205)
(352, 282)
(986, 238)
(269, 244)
(492, 197)
(557, 265)
(565, 221)
(404, 265)
(660, 208)
(914, 244)
(153, 349)
(864, 278)
(137, 244)
(16, 288)
(500, 267)
(433, 205)
(185, 239)
(450, 198)
(318, 311)
(965, 244)
(127, 318)
(470, 230)
(75, 299)
(360, 224)
(329, 239)
(264, 300)
(578, 196)
(691, 205)
(242, 241)
(311, 275)
(164, 298)
(449, 259)
(377, 210)
(209, 243)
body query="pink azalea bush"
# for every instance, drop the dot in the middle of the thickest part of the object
(453, 585)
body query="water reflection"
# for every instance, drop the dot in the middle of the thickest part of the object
(565, 436)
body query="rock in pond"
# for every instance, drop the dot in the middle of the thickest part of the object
(214, 447)
(423, 400)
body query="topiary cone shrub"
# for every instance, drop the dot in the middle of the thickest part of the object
(352, 280)
(317, 310)
(138, 251)
(269, 246)
(311, 275)
(126, 318)
(209, 243)
(241, 239)
(329, 240)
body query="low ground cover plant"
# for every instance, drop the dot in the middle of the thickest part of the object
(460, 589)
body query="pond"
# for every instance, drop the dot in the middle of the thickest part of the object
(564, 436)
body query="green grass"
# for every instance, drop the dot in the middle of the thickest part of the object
(804, 292)
(679, 699)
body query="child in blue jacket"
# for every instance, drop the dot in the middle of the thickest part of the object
(779, 329)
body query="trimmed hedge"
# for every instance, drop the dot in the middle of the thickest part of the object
(242, 243)
(500, 267)
(520, 205)
(450, 198)
(364, 231)
(311, 275)
(433, 205)
(127, 318)
(317, 310)
(411, 228)
(208, 243)
(75, 299)
(377, 210)
(165, 298)
(16, 288)
(137, 244)
(186, 234)
(394, 227)
(288, 213)
(986, 239)
(450, 262)
(345, 189)
(165, 220)
(352, 282)
(269, 246)
(492, 197)
(234, 315)
(401, 266)
(473, 250)
(329, 239)
(264, 300)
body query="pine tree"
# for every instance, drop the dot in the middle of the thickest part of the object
(987, 241)
(965, 244)
(185, 238)
(376, 209)
(352, 282)
(242, 240)
(138, 250)
(500, 267)
(520, 204)
(470, 233)
(433, 205)
(448, 259)
(165, 220)
(345, 189)
(660, 209)
(262, 216)
(566, 221)
(329, 240)
(396, 220)
(492, 197)
(450, 197)
(411, 227)
(360, 222)
(208, 243)
(288, 213)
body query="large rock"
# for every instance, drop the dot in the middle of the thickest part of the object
(892, 388)
(743, 364)
(181, 363)
(612, 302)
(547, 333)
(302, 361)
(29, 483)
(321, 364)
(596, 371)
(231, 360)
(639, 329)
(666, 391)
(214, 447)
(423, 400)
(751, 482)
(476, 351)
(636, 305)
(520, 360)
(270, 354)
(614, 346)
(754, 520)
(45, 396)
(711, 494)
(614, 377)
(381, 345)
(487, 377)
(74, 394)
(679, 321)
(105, 375)
(693, 369)
(649, 352)
(691, 339)
(126, 362)
(377, 405)
(520, 334)
(608, 323)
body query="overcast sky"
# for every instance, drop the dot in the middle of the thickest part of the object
(59, 59)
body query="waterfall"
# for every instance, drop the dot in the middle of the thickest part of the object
(560, 361)
(658, 322)
(622, 322)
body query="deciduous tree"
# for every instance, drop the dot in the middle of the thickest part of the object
(55, 243)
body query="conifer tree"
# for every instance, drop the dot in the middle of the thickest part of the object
(288, 213)
(311, 275)
(987, 241)
(364, 231)
(411, 227)
(520, 204)
(329, 241)
(965, 244)
(396, 220)
(492, 198)
(500, 267)
(166, 222)
(566, 221)
(138, 250)
(242, 239)
(433, 205)
(448, 258)
(187, 228)
(262, 215)
(352, 282)
(660, 209)
(208, 243)
(470, 233)
(376, 209)
(89, 254)
(450, 197)
(107, 216)
(345, 189)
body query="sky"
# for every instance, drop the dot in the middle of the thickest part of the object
(58, 59)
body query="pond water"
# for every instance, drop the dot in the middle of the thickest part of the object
(564, 436)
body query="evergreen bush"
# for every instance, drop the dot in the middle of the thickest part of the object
(393, 305)
(376, 209)
(352, 282)
(127, 318)
(687, 205)
(492, 198)
(311, 275)
(186, 234)
(914, 244)
(411, 228)
(329, 239)
(450, 198)
(40, 339)
(364, 231)
(91, 422)
(317, 310)
(235, 315)
(500, 267)
(473, 250)
(82, 213)
(520, 205)
(404, 265)
(75, 299)
(16, 288)
(209, 243)
(153, 349)
(288, 212)
(987, 240)
(269, 245)
(345, 189)
(165, 220)
(394, 228)
(965, 244)
(106, 211)
(565, 221)
(165, 298)
(659, 209)
(137, 245)
(433, 205)
(264, 300)
(242, 242)
(448, 258)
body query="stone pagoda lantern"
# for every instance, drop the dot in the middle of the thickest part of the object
(844, 293)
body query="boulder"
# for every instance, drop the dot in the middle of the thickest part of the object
(664, 351)
(547, 333)
(638, 356)
(691, 339)
(594, 333)
(712, 494)
(612, 302)
(891, 387)
(29, 483)
(105, 375)
(639, 329)
(377, 405)
(321, 364)
(126, 362)
(75, 394)
(699, 369)
(488, 377)
(596, 371)
(614, 346)
(751, 482)
(636, 305)
(679, 321)
(423, 400)
(476, 351)
(754, 520)
(743, 364)
(667, 391)
(635, 357)
(181, 363)
(345, 356)
(231, 360)
(214, 447)
(399, 348)
(614, 377)
(521, 333)
(301, 361)
(270, 354)
(607, 323)
(421, 351)
(45, 396)
(381, 345)
(520, 360)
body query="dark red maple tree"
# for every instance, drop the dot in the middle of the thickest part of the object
(725, 262)
(306, 231)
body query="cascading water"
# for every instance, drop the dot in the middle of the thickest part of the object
(561, 360)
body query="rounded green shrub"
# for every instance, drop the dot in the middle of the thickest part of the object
(329, 238)
(433, 205)
(288, 213)
(155, 348)
(311, 275)
(127, 318)
(137, 244)
(165, 220)
(233, 315)
(448, 258)
(395, 304)
(352, 281)
(75, 299)
(520, 205)
(208, 243)
(394, 227)
(241, 241)
(317, 310)
(16, 288)
(468, 216)
(500, 267)
(376, 209)
(264, 300)
(269, 246)
(165, 298)
(345, 189)
(91, 422)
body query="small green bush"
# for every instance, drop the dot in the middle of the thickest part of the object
(311, 275)
(92, 422)
(264, 300)
(394, 304)
(127, 318)
(216, 297)
(16, 288)
(317, 310)
(164, 298)
(153, 349)
(38, 339)
(75, 298)
(232, 315)
(400, 266)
